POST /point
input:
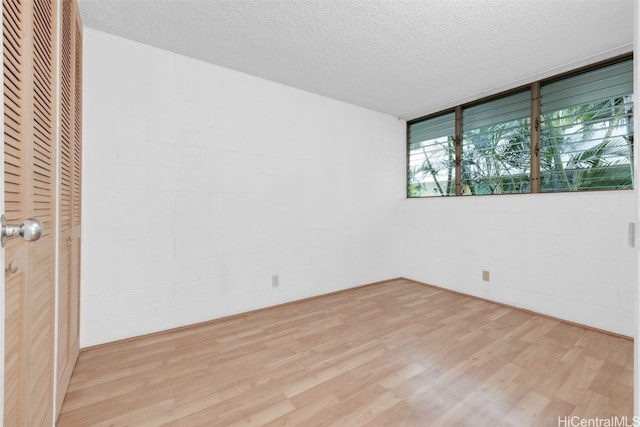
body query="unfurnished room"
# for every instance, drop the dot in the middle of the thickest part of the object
(320, 212)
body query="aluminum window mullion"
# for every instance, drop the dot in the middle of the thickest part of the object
(458, 159)
(534, 178)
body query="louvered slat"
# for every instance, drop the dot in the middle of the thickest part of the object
(13, 105)
(77, 140)
(66, 120)
(42, 200)
(43, 131)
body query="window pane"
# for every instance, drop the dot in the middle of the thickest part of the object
(496, 146)
(587, 131)
(432, 157)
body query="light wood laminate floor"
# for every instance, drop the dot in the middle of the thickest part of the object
(397, 353)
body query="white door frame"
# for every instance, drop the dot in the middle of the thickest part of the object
(2, 250)
(636, 126)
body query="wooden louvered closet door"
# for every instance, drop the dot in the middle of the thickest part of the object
(36, 165)
(29, 35)
(70, 192)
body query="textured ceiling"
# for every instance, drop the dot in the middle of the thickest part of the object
(402, 57)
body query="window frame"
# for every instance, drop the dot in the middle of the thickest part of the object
(535, 132)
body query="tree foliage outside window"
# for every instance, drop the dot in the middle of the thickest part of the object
(496, 146)
(589, 147)
(497, 159)
(432, 168)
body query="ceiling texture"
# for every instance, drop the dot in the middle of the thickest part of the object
(406, 58)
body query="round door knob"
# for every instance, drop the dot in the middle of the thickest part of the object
(31, 230)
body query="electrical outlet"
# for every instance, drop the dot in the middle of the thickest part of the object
(485, 275)
(275, 281)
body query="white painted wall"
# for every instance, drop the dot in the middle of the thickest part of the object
(564, 255)
(200, 183)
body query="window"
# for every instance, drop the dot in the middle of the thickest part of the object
(432, 151)
(587, 131)
(496, 146)
(570, 133)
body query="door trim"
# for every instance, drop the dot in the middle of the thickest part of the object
(2, 249)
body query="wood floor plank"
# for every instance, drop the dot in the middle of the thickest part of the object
(397, 353)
